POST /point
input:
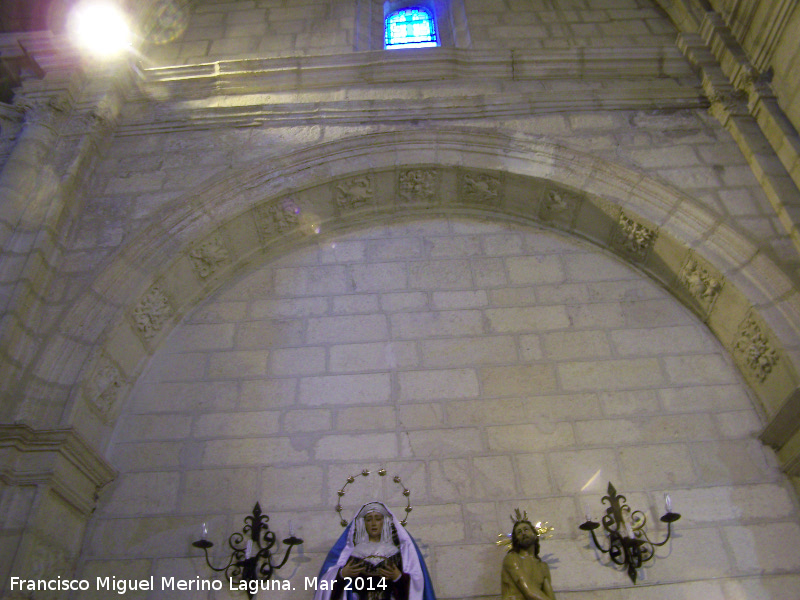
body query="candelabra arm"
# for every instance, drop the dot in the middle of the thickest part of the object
(290, 542)
(669, 519)
(205, 545)
(590, 526)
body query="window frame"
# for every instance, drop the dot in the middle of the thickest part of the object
(419, 6)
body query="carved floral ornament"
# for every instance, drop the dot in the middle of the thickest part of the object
(354, 193)
(418, 185)
(207, 257)
(633, 238)
(701, 282)
(754, 349)
(480, 188)
(152, 312)
(275, 218)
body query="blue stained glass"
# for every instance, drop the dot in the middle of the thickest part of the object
(410, 28)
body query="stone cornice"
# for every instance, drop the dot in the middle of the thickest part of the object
(57, 458)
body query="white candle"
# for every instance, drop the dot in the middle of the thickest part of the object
(668, 502)
(586, 511)
(291, 528)
(204, 532)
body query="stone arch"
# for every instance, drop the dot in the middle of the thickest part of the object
(241, 218)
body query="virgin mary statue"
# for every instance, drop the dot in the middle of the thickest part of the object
(374, 559)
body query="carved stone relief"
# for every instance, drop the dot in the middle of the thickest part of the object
(104, 387)
(632, 238)
(480, 188)
(208, 256)
(418, 185)
(701, 283)
(754, 350)
(558, 206)
(275, 218)
(151, 312)
(354, 193)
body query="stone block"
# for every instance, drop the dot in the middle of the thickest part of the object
(354, 304)
(417, 386)
(738, 424)
(436, 525)
(310, 281)
(610, 374)
(763, 548)
(662, 340)
(378, 277)
(271, 333)
(493, 477)
(236, 424)
(123, 570)
(453, 247)
(468, 351)
(489, 272)
(440, 275)
(420, 416)
(307, 420)
(513, 296)
(633, 402)
(403, 301)
(219, 490)
(345, 389)
(526, 319)
(459, 300)
(190, 396)
(370, 447)
(251, 452)
(441, 323)
(518, 380)
(144, 494)
(732, 462)
(377, 356)
(153, 427)
(178, 367)
(296, 307)
(292, 488)
(267, 393)
(393, 249)
(767, 501)
(297, 361)
(146, 455)
(241, 363)
(657, 466)
(704, 398)
(451, 479)
(525, 270)
(365, 417)
(586, 471)
(652, 428)
(534, 474)
(435, 443)
(576, 344)
(339, 330)
(463, 571)
(200, 337)
(529, 437)
(701, 369)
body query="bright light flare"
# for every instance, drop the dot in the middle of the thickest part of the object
(100, 28)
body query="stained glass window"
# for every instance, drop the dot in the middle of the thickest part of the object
(410, 28)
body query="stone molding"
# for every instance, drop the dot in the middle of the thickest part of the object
(57, 458)
(536, 183)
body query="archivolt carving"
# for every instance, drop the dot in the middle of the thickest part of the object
(754, 349)
(558, 206)
(354, 193)
(418, 185)
(633, 238)
(276, 218)
(151, 312)
(701, 282)
(103, 388)
(480, 189)
(208, 256)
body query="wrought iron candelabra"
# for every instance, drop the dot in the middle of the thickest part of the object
(251, 556)
(629, 546)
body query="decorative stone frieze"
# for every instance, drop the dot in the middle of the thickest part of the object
(275, 218)
(479, 188)
(152, 312)
(632, 238)
(558, 207)
(209, 256)
(103, 389)
(753, 349)
(701, 282)
(418, 185)
(354, 193)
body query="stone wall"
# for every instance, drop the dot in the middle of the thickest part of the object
(491, 366)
